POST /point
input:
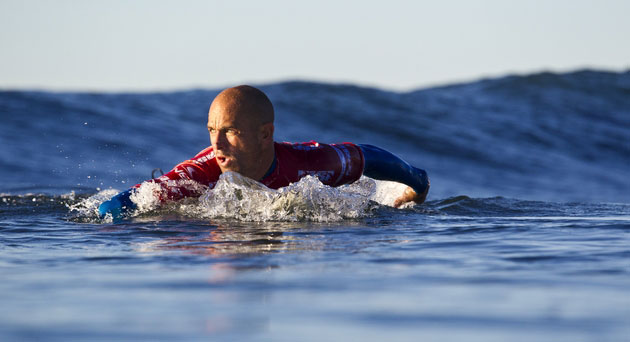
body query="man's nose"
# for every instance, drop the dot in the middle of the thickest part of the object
(218, 140)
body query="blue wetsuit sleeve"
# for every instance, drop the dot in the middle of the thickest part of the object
(383, 165)
(118, 206)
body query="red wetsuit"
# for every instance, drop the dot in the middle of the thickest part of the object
(334, 165)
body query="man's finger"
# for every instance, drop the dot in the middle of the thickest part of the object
(407, 196)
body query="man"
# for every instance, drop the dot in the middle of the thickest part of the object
(240, 123)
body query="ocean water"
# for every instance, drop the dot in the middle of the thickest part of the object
(525, 234)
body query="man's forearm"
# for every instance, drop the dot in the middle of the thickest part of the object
(383, 165)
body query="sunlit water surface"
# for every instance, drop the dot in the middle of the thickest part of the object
(491, 269)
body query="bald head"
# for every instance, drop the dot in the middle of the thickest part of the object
(248, 101)
(240, 123)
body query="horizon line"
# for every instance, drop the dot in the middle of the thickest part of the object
(314, 80)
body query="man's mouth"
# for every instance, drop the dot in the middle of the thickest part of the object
(222, 160)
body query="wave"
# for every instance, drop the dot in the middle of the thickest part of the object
(546, 136)
(239, 199)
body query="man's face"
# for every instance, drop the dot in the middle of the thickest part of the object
(236, 139)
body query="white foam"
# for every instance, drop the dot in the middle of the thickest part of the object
(387, 192)
(88, 207)
(241, 198)
(146, 197)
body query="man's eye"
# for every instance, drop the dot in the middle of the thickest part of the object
(231, 131)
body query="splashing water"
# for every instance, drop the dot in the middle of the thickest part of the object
(241, 198)
(86, 210)
(237, 197)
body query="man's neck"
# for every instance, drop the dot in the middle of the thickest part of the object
(268, 160)
(271, 168)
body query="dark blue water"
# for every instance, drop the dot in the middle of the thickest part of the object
(525, 235)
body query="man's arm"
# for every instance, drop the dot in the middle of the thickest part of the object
(118, 206)
(187, 179)
(174, 186)
(383, 165)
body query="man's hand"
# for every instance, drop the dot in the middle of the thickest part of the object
(118, 206)
(410, 195)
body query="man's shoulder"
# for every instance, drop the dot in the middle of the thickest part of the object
(314, 145)
(207, 152)
(299, 146)
(333, 164)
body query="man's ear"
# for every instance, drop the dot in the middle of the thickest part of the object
(266, 132)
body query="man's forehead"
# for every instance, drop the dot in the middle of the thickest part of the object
(230, 118)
